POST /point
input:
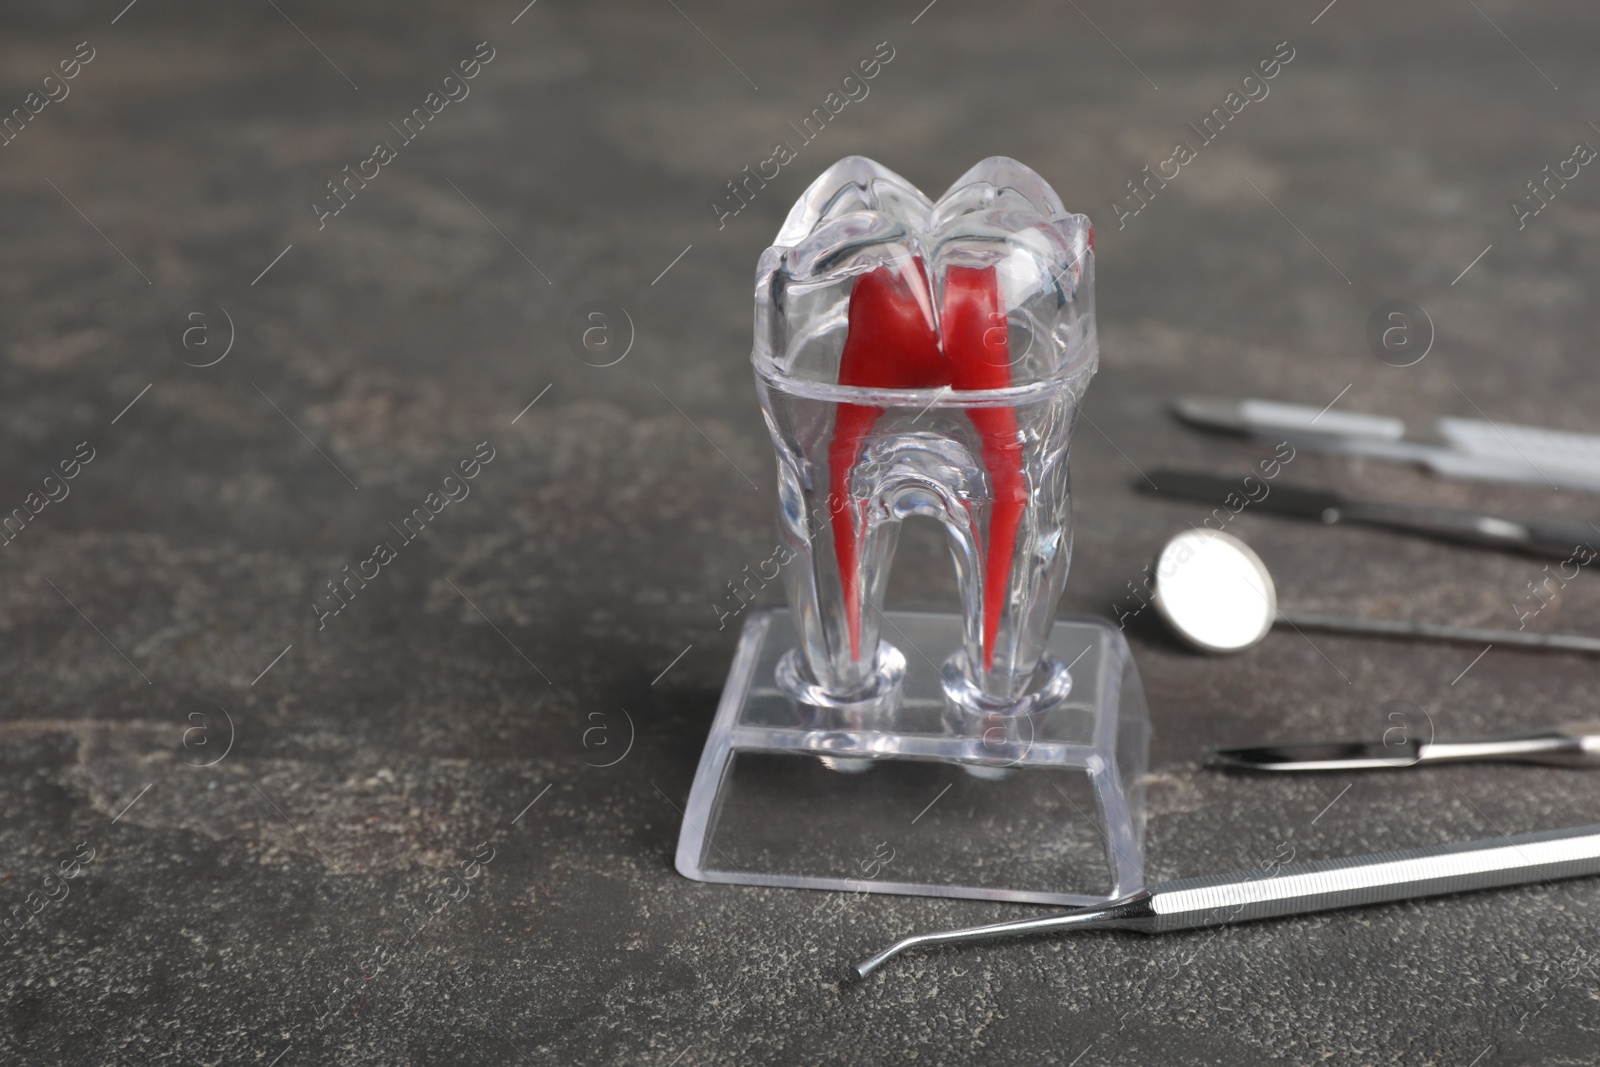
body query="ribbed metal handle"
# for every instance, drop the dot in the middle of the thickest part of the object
(1376, 878)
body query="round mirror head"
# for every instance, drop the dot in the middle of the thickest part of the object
(1214, 591)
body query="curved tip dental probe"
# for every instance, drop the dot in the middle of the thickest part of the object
(1298, 888)
(1130, 912)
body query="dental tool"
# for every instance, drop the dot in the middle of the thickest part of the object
(1465, 448)
(1570, 745)
(1216, 594)
(1297, 889)
(1563, 539)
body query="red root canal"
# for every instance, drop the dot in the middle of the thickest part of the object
(892, 343)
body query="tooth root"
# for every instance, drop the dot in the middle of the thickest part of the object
(851, 426)
(979, 351)
(892, 344)
(833, 632)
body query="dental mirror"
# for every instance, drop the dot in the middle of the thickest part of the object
(1216, 594)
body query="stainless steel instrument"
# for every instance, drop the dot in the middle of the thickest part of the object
(1296, 889)
(1571, 745)
(1564, 539)
(1466, 448)
(1216, 594)
(1427, 631)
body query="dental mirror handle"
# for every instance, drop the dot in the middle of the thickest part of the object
(1313, 620)
(1295, 889)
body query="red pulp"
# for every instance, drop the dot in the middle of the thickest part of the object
(892, 343)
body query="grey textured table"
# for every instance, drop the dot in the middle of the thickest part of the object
(264, 798)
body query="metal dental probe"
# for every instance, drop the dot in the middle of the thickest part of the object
(1295, 889)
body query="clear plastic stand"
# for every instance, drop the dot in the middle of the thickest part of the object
(916, 798)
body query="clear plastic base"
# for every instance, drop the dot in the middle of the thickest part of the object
(1045, 807)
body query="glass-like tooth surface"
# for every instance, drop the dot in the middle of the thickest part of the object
(926, 359)
(859, 216)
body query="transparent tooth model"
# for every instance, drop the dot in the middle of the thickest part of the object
(925, 359)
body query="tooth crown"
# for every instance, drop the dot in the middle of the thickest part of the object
(859, 217)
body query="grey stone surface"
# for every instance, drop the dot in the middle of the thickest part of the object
(232, 913)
